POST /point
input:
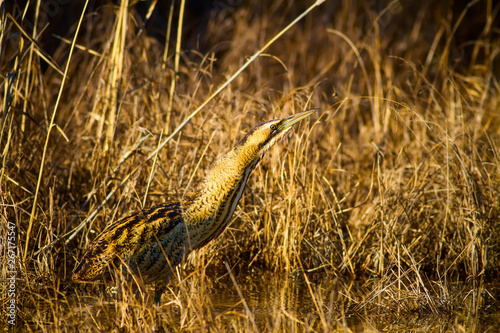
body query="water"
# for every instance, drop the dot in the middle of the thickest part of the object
(276, 302)
(348, 303)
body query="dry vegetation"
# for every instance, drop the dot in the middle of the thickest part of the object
(395, 182)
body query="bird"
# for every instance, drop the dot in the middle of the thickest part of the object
(152, 242)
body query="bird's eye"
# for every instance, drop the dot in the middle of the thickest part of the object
(274, 127)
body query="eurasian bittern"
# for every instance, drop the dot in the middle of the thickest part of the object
(151, 243)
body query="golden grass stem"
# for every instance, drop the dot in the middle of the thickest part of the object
(150, 178)
(115, 74)
(41, 53)
(167, 36)
(52, 119)
(238, 290)
(316, 300)
(176, 63)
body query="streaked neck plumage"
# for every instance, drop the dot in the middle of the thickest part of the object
(208, 210)
(212, 205)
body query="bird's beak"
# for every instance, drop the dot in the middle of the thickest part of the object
(290, 121)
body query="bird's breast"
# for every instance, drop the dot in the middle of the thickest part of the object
(219, 204)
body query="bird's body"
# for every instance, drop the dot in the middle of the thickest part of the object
(151, 243)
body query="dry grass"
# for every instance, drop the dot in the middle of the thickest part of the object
(395, 182)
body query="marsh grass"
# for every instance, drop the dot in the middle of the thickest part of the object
(393, 184)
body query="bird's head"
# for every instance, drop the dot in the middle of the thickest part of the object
(264, 135)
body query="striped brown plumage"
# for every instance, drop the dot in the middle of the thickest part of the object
(152, 242)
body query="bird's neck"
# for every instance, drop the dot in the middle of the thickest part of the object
(212, 205)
